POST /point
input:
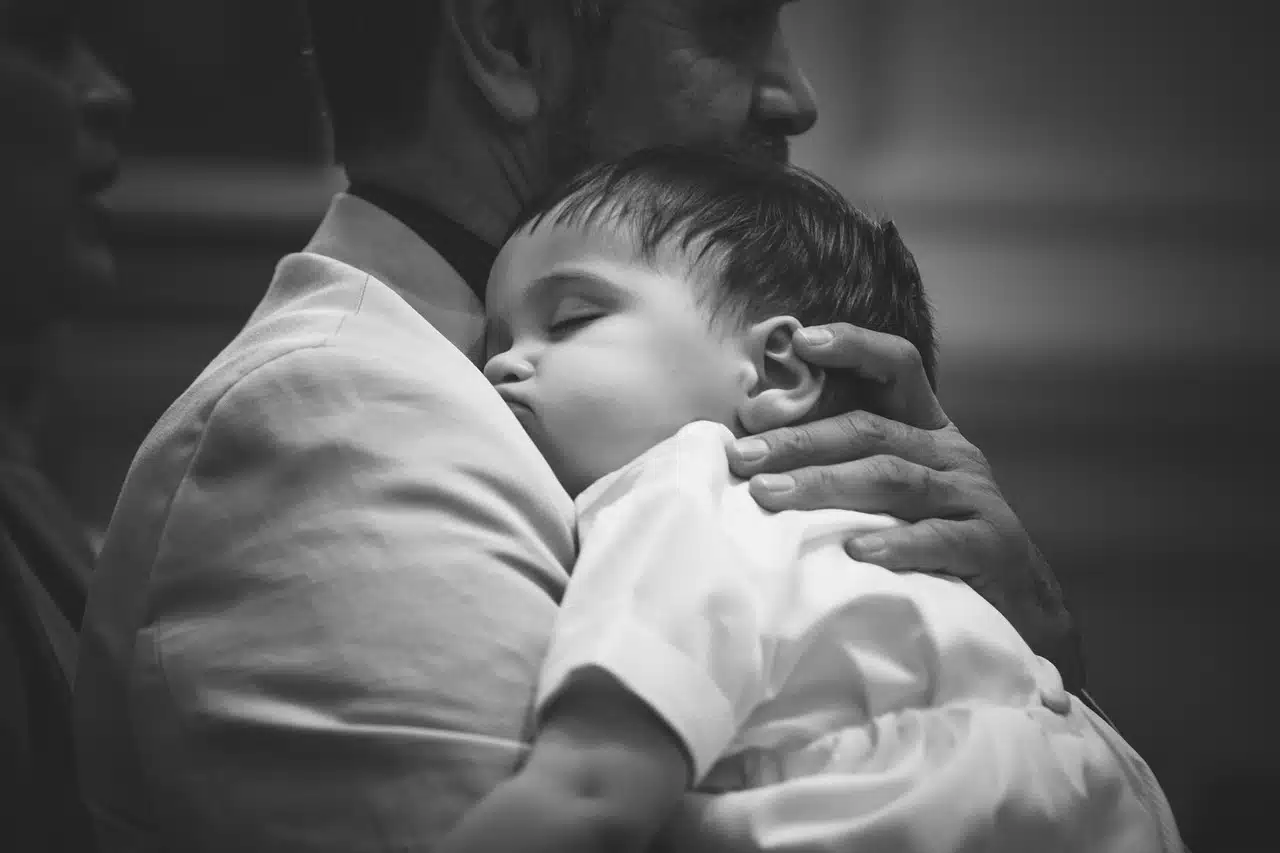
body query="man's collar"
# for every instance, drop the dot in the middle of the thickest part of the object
(470, 256)
(363, 235)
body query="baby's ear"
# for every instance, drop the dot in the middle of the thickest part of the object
(785, 387)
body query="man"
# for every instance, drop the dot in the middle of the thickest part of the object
(60, 112)
(333, 568)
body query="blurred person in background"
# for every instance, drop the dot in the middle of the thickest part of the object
(333, 569)
(60, 112)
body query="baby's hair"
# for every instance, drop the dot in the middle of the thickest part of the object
(776, 239)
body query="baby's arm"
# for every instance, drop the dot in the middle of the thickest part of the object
(604, 774)
(655, 661)
(939, 780)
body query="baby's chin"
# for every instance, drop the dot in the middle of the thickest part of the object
(577, 475)
(573, 477)
(577, 482)
(580, 456)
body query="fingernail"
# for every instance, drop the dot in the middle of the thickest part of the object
(750, 449)
(868, 545)
(776, 483)
(817, 337)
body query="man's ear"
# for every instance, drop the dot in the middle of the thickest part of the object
(509, 48)
(786, 387)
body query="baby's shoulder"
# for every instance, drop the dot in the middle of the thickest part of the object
(693, 461)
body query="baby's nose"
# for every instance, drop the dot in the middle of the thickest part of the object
(507, 367)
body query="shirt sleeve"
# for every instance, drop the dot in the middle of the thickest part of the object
(957, 777)
(349, 602)
(661, 599)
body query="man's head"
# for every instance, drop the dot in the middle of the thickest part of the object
(664, 288)
(60, 114)
(506, 98)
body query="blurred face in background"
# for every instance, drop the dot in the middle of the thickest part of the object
(60, 114)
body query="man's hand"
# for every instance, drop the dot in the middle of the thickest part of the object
(911, 462)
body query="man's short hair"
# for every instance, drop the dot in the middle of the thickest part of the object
(373, 60)
(774, 238)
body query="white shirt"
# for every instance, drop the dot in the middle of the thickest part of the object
(905, 710)
(323, 601)
(330, 576)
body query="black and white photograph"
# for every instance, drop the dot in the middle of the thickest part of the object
(687, 426)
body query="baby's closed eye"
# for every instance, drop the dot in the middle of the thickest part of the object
(572, 315)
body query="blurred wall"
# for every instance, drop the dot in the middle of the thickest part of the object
(1092, 191)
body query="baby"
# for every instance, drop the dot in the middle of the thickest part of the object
(641, 320)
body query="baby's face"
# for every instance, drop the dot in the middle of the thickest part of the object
(600, 354)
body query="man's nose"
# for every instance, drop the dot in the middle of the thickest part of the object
(785, 101)
(106, 101)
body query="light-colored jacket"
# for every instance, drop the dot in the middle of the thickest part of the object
(330, 576)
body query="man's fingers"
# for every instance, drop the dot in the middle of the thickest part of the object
(934, 545)
(841, 438)
(883, 484)
(887, 360)
(877, 356)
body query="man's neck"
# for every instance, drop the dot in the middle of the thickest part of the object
(473, 188)
(470, 256)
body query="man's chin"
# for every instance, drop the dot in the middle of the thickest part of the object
(93, 272)
(91, 262)
(87, 278)
(775, 149)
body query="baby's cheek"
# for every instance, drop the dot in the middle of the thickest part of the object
(611, 434)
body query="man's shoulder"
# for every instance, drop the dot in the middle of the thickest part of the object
(334, 358)
(316, 300)
(324, 332)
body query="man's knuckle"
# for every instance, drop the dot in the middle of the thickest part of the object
(894, 475)
(971, 486)
(906, 354)
(986, 542)
(973, 457)
(828, 479)
(942, 533)
(977, 459)
(815, 485)
(785, 441)
(863, 431)
(799, 442)
(920, 479)
(966, 545)
(958, 448)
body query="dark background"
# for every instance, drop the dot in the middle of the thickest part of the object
(1093, 193)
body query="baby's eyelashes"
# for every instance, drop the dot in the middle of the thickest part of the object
(565, 326)
(570, 315)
